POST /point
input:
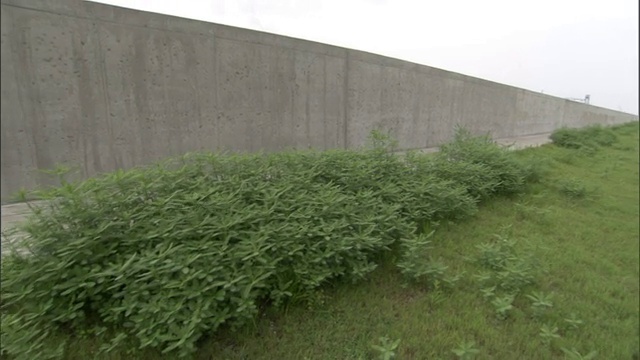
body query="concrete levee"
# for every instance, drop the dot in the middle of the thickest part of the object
(100, 88)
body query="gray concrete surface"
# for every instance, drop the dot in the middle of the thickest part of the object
(99, 88)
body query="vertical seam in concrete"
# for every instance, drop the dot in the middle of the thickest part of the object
(292, 107)
(102, 75)
(307, 110)
(85, 129)
(195, 85)
(345, 123)
(324, 103)
(216, 79)
(19, 86)
(34, 135)
(32, 116)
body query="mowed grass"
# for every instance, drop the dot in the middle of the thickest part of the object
(580, 223)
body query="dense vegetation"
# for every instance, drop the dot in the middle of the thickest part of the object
(158, 257)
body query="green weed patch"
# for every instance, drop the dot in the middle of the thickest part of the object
(152, 263)
(160, 256)
(589, 138)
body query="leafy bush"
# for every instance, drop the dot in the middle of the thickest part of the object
(589, 138)
(507, 174)
(475, 178)
(428, 198)
(509, 270)
(626, 128)
(466, 350)
(535, 168)
(540, 303)
(573, 188)
(387, 348)
(159, 256)
(502, 306)
(411, 248)
(600, 135)
(567, 138)
(548, 334)
(170, 255)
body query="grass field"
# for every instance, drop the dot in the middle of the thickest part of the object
(578, 226)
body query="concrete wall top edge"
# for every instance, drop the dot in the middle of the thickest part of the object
(115, 14)
(385, 61)
(173, 23)
(599, 108)
(64, 7)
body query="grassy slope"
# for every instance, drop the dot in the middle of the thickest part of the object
(588, 249)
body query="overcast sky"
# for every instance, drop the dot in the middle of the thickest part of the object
(566, 48)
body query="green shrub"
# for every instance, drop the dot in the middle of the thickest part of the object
(626, 128)
(427, 198)
(510, 271)
(567, 138)
(573, 188)
(387, 348)
(535, 169)
(475, 178)
(540, 303)
(466, 350)
(588, 138)
(159, 256)
(502, 306)
(413, 263)
(507, 174)
(170, 255)
(600, 135)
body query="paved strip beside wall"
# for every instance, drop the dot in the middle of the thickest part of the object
(12, 216)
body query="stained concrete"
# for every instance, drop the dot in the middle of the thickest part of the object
(100, 88)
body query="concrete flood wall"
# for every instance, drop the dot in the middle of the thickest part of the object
(101, 88)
